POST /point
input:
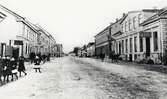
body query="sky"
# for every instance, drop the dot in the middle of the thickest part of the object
(76, 22)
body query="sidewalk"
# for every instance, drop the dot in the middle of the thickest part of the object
(151, 67)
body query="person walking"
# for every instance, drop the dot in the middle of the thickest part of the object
(13, 64)
(21, 67)
(37, 64)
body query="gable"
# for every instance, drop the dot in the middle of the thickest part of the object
(163, 13)
(2, 16)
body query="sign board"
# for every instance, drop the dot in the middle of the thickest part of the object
(18, 42)
(145, 34)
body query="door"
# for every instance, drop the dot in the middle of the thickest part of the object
(130, 57)
(147, 47)
(16, 53)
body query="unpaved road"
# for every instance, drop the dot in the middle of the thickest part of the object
(83, 78)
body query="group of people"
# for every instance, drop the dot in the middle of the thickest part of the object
(37, 59)
(9, 66)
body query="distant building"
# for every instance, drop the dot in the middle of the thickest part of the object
(90, 49)
(102, 42)
(59, 52)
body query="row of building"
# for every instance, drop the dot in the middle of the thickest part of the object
(135, 36)
(85, 51)
(19, 37)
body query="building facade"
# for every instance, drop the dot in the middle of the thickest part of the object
(23, 36)
(154, 34)
(102, 42)
(128, 36)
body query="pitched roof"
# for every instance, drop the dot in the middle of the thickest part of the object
(11, 12)
(155, 16)
(22, 19)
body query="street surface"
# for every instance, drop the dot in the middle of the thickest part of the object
(84, 78)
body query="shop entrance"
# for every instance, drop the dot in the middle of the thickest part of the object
(16, 53)
(147, 46)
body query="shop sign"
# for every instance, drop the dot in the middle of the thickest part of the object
(145, 34)
(18, 42)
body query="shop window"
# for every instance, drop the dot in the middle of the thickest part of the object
(155, 38)
(130, 45)
(126, 45)
(122, 46)
(141, 44)
(135, 44)
(135, 56)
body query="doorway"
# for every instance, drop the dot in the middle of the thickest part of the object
(147, 47)
(16, 53)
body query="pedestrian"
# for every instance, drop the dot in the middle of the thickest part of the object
(44, 58)
(21, 67)
(13, 64)
(7, 69)
(48, 57)
(37, 64)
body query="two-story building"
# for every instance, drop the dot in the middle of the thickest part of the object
(129, 42)
(17, 32)
(154, 35)
(102, 42)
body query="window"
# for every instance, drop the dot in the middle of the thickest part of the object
(134, 22)
(135, 44)
(126, 45)
(130, 45)
(130, 24)
(141, 44)
(155, 38)
(139, 18)
(122, 27)
(117, 47)
(126, 26)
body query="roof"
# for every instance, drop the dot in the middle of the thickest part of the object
(90, 44)
(11, 12)
(155, 17)
(29, 24)
(102, 31)
(144, 10)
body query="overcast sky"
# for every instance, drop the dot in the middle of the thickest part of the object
(76, 22)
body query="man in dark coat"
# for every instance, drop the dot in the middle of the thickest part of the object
(1, 70)
(32, 57)
(21, 67)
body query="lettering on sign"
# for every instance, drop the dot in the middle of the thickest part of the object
(145, 34)
(18, 42)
